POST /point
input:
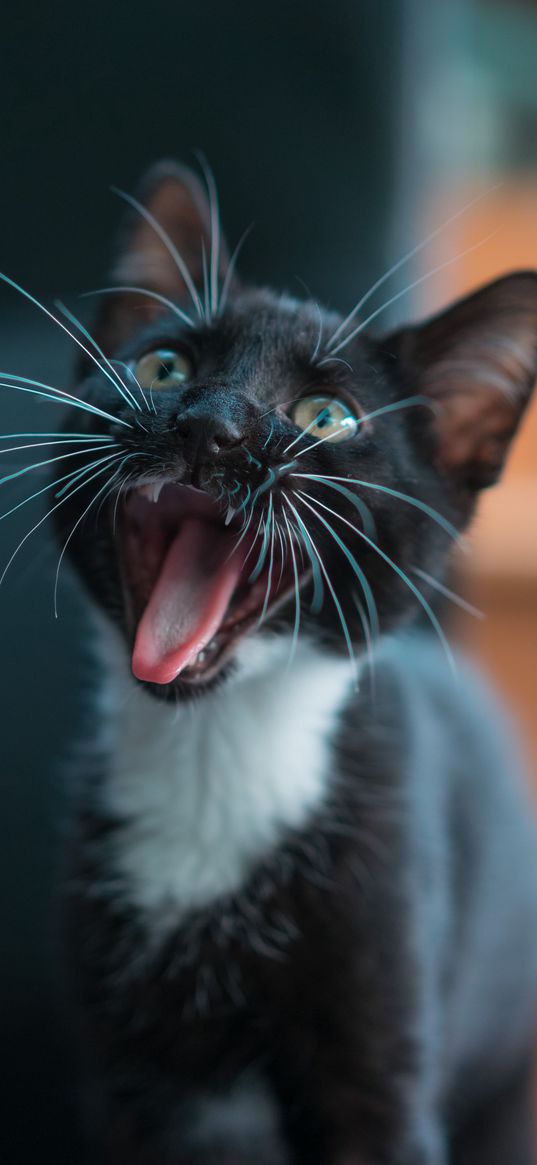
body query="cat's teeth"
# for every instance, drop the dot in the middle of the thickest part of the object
(229, 516)
(151, 492)
(206, 651)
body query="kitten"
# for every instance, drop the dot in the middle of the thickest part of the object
(303, 903)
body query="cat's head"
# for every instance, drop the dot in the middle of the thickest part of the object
(266, 467)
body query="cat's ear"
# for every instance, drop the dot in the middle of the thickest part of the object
(477, 361)
(171, 246)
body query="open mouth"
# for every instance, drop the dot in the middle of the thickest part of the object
(187, 581)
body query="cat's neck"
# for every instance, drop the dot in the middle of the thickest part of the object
(207, 789)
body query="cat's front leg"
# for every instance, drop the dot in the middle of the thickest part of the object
(359, 1037)
(346, 1129)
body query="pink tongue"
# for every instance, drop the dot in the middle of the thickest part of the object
(188, 603)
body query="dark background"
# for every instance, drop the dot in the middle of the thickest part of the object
(303, 112)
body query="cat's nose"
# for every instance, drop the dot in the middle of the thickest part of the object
(203, 434)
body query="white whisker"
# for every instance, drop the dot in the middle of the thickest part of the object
(335, 360)
(57, 434)
(390, 562)
(330, 586)
(167, 243)
(406, 259)
(231, 267)
(409, 402)
(51, 485)
(270, 570)
(448, 593)
(304, 432)
(51, 316)
(296, 627)
(142, 291)
(317, 347)
(435, 515)
(366, 628)
(214, 212)
(281, 537)
(57, 395)
(48, 513)
(123, 388)
(108, 485)
(51, 461)
(415, 283)
(206, 307)
(47, 444)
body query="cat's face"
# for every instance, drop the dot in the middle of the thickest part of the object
(258, 469)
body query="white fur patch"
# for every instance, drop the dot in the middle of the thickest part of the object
(208, 789)
(245, 1116)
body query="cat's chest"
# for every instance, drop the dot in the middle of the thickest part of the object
(205, 791)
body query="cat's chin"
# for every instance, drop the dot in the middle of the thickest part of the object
(195, 584)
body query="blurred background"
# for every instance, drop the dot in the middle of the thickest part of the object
(347, 133)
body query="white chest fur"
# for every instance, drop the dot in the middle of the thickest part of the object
(207, 789)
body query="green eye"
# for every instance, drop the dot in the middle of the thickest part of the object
(325, 417)
(162, 368)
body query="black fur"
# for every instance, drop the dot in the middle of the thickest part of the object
(378, 972)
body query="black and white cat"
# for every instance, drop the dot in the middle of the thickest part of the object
(303, 902)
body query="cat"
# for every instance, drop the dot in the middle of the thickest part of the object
(302, 899)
